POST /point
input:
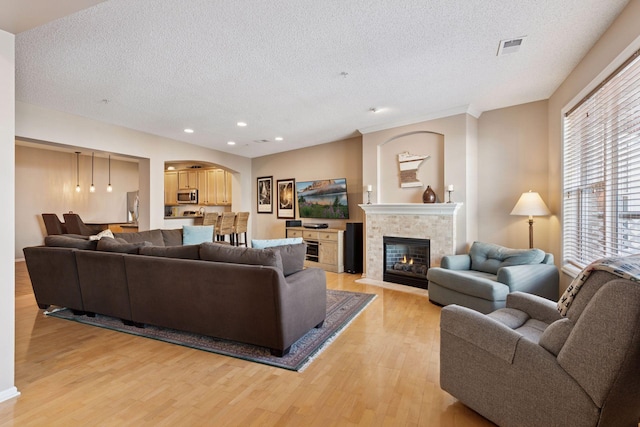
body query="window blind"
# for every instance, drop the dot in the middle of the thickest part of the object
(601, 170)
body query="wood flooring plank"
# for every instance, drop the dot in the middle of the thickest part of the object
(382, 370)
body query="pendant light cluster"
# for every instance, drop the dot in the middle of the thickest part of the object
(92, 189)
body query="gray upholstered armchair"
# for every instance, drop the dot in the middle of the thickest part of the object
(525, 365)
(482, 279)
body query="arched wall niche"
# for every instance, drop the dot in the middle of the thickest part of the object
(430, 172)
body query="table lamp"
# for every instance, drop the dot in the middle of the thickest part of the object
(530, 204)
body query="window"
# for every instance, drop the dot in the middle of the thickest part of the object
(601, 170)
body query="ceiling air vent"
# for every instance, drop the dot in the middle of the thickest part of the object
(510, 45)
(260, 141)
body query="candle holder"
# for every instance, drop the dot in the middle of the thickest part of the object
(449, 191)
(368, 197)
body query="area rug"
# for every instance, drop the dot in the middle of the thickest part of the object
(342, 308)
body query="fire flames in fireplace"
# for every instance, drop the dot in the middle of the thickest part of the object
(406, 261)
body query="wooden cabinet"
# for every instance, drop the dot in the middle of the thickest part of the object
(213, 185)
(187, 179)
(325, 248)
(223, 187)
(207, 187)
(171, 188)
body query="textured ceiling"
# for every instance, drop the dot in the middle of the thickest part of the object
(306, 70)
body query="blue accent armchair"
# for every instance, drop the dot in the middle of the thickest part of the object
(482, 279)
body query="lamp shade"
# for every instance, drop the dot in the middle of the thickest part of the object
(530, 204)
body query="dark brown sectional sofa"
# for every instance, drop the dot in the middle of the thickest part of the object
(262, 297)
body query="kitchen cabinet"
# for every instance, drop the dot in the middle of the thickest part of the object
(223, 187)
(207, 187)
(187, 179)
(171, 188)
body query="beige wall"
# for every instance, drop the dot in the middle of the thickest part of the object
(340, 159)
(453, 166)
(613, 48)
(512, 159)
(46, 180)
(430, 171)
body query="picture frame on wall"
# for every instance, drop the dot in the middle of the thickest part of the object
(286, 198)
(265, 194)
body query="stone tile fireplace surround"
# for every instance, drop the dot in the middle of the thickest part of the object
(433, 221)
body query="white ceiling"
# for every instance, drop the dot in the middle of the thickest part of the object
(306, 70)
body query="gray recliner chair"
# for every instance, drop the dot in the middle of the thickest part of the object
(526, 365)
(483, 278)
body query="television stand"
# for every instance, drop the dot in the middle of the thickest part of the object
(325, 247)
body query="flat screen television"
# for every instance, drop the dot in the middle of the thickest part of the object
(323, 199)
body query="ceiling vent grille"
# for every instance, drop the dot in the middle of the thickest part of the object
(510, 45)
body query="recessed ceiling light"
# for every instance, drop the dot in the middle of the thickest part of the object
(241, 124)
(231, 143)
(187, 130)
(171, 168)
(279, 138)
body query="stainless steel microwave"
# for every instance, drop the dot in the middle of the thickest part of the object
(188, 196)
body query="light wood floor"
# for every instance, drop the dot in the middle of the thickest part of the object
(382, 370)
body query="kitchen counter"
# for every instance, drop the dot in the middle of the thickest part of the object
(183, 216)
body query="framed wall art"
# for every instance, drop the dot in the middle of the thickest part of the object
(265, 194)
(286, 198)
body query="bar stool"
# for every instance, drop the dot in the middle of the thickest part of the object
(75, 225)
(224, 226)
(211, 218)
(240, 227)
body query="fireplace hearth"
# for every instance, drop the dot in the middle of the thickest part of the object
(406, 261)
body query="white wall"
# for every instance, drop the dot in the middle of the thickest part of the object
(7, 225)
(40, 124)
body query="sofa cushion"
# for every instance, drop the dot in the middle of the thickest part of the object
(470, 282)
(239, 255)
(153, 236)
(69, 241)
(172, 237)
(261, 244)
(183, 252)
(292, 257)
(196, 234)
(108, 244)
(489, 257)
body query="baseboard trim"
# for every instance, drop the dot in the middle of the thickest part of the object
(9, 393)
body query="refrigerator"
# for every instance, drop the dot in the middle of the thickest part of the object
(133, 205)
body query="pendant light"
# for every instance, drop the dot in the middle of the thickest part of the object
(109, 188)
(77, 171)
(92, 189)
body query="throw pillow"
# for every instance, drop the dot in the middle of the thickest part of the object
(261, 244)
(292, 257)
(103, 233)
(240, 255)
(111, 245)
(183, 252)
(196, 234)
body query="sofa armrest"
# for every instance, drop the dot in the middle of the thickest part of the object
(456, 262)
(538, 279)
(536, 307)
(481, 331)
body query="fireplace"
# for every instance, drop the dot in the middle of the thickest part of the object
(406, 260)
